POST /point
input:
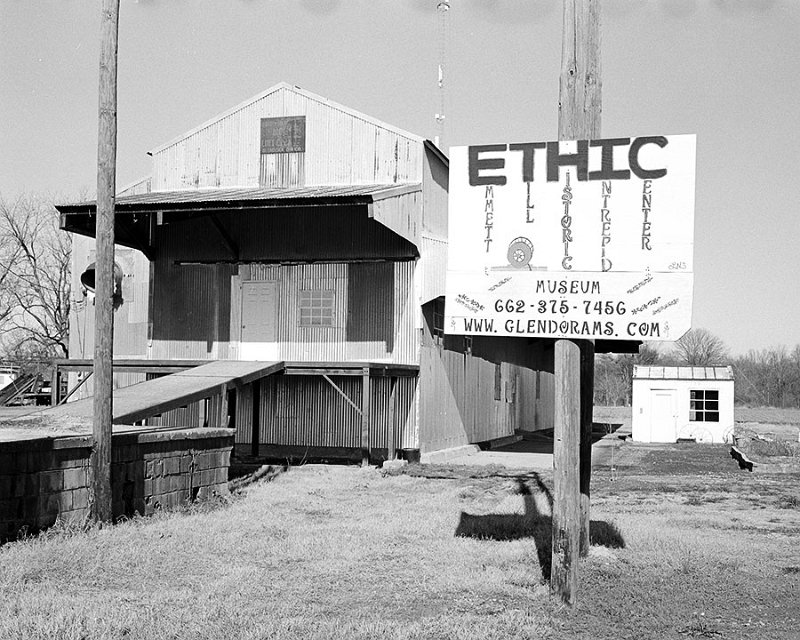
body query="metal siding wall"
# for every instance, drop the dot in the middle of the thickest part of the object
(137, 188)
(433, 263)
(401, 215)
(331, 344)
(435, 184)
(441, 423)
(404, 418)
(244, 411)
(191, 311)
(307, 411)
(341, 148)
(458, 403)
(130, 319)
(306, 343)
(458, 395)
(545, 402)
(526, 394)
(282, 170)
(406, 342)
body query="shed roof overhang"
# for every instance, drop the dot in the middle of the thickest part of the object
(136, 216)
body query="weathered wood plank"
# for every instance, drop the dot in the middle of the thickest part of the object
(587, 406)
(222, 420)
(580, 85)
(566, 443)
(579, 113)
(100, 466)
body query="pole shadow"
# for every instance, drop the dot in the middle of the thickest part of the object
(533, 523)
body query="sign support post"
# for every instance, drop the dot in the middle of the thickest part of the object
(100, 485)
(577, 240)
(578, 118)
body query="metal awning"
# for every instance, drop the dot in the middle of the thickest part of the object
(137, 215)
(201, 199)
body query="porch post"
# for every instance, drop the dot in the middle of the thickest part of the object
(365, 417)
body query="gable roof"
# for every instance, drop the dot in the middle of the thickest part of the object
(285, 86)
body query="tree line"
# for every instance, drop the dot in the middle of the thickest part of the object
(766, 377)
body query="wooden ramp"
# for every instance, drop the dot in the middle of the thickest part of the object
(157, 396)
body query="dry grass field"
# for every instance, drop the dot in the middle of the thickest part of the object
(685, 545)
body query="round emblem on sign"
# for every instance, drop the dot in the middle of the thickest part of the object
(520, 252)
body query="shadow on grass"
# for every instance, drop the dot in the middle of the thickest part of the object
(533, 523)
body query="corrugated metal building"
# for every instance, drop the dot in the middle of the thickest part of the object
(291, 228)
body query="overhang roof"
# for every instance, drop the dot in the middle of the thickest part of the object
(682, 373)
(136, 214)
(249, 198)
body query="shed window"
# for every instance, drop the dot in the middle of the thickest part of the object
(316, 307)
(704, 405)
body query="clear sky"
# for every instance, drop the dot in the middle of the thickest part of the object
(727, 70)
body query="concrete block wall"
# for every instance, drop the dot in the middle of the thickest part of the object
(47, 479)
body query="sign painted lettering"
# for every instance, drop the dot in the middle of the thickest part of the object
(584, 238)
(283, 135)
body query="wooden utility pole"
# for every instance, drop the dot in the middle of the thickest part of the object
(100, 485)
(578, 119)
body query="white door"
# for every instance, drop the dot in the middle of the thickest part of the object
(259, 337)
(663, 415)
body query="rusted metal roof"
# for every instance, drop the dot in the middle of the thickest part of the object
(189, 199)
(682, 373)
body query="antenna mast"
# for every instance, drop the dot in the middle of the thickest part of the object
(442, 10)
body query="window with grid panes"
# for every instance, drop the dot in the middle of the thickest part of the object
(704, 405)
(316, 307)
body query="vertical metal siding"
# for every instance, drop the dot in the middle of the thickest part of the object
(433, 265)
(441, 423)
(461, 402)
(282, 170)
(401, 215)
(139, 187)
(331, 343)
(435, 185)
(307, 343)
(406, 341)
(307, 411)
(545, 400)
(191, 309)
(130, 319)
(341, 148)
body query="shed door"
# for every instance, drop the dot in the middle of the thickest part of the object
(663, 416)
(259, 338)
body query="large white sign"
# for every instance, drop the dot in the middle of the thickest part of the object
(583, 239)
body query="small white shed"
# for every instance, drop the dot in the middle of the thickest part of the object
(675, 403)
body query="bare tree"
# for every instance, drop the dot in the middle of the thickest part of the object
(36, 286)
(769, 377)
(701, 347)
(613, 377)
(9, 254)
